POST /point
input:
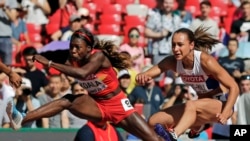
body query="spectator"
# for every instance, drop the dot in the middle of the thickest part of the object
(136, 52)
(243, 116)
(244, 84)
(54, 93)
(167, 85)
(6, 91)
(98, 132)
(36, 76)
(160, 25)
(124, 80)
(66, 86)
(37, 14)
(179, 93)
(4, 119)
(25, 102)
(74, 25)
(84, 17)
(205, 20)
(233, 65)
(186, 16)
(77, 3)
(132, 74)
(238, 13)
(150, 94)
(241, 28)
(8, 15)
(19, 29)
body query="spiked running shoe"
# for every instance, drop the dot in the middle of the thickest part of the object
(168, 135)
(14, 115)
(194, 134)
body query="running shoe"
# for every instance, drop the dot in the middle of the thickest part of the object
(194, 134)
(168, 135)
(14, 115)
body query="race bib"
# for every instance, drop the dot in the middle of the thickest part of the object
(92, 84)
(126, 104)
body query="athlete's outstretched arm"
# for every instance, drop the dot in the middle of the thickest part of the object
(212, 67)
(168, 63)
(94, 63)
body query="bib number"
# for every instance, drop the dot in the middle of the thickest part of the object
(126, 104)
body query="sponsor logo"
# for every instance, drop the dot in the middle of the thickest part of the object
(193, 78)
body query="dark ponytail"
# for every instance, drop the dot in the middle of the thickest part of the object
(203, 40)
(118, 60)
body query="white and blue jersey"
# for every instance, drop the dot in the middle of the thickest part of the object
(197, 78)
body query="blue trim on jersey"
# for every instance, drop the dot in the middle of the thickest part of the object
(212, 83)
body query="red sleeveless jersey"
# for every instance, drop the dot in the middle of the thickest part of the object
(108, 134)
(101, 83)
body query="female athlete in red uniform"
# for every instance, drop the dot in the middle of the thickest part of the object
(91, 63)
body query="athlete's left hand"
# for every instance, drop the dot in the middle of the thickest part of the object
(224, 116)
(41, 59)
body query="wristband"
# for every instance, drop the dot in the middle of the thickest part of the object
(49, 64)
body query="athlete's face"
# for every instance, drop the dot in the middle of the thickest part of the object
(79, 49)
(181, 45)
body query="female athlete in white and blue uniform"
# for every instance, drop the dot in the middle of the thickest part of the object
(200, 70)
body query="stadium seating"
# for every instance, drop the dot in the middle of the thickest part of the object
(124, 3)
(90, 27)
(195, 3)
(33, 28)
(111, 19)
(101, 3)
(92, 7)
(109, 29)
(193, 9)
(148, 3)
(137, 9)
(113, 9)
(115, 38)
(134, 20)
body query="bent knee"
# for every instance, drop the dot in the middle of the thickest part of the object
(160, 117)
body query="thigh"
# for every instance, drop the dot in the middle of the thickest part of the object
(207, 109)
(85, 107)
(169, 116)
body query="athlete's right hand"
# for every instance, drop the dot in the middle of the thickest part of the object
(142, 79)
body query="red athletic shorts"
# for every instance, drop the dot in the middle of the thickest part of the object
(116, 108)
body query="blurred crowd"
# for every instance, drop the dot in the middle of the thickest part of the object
(142, 29)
